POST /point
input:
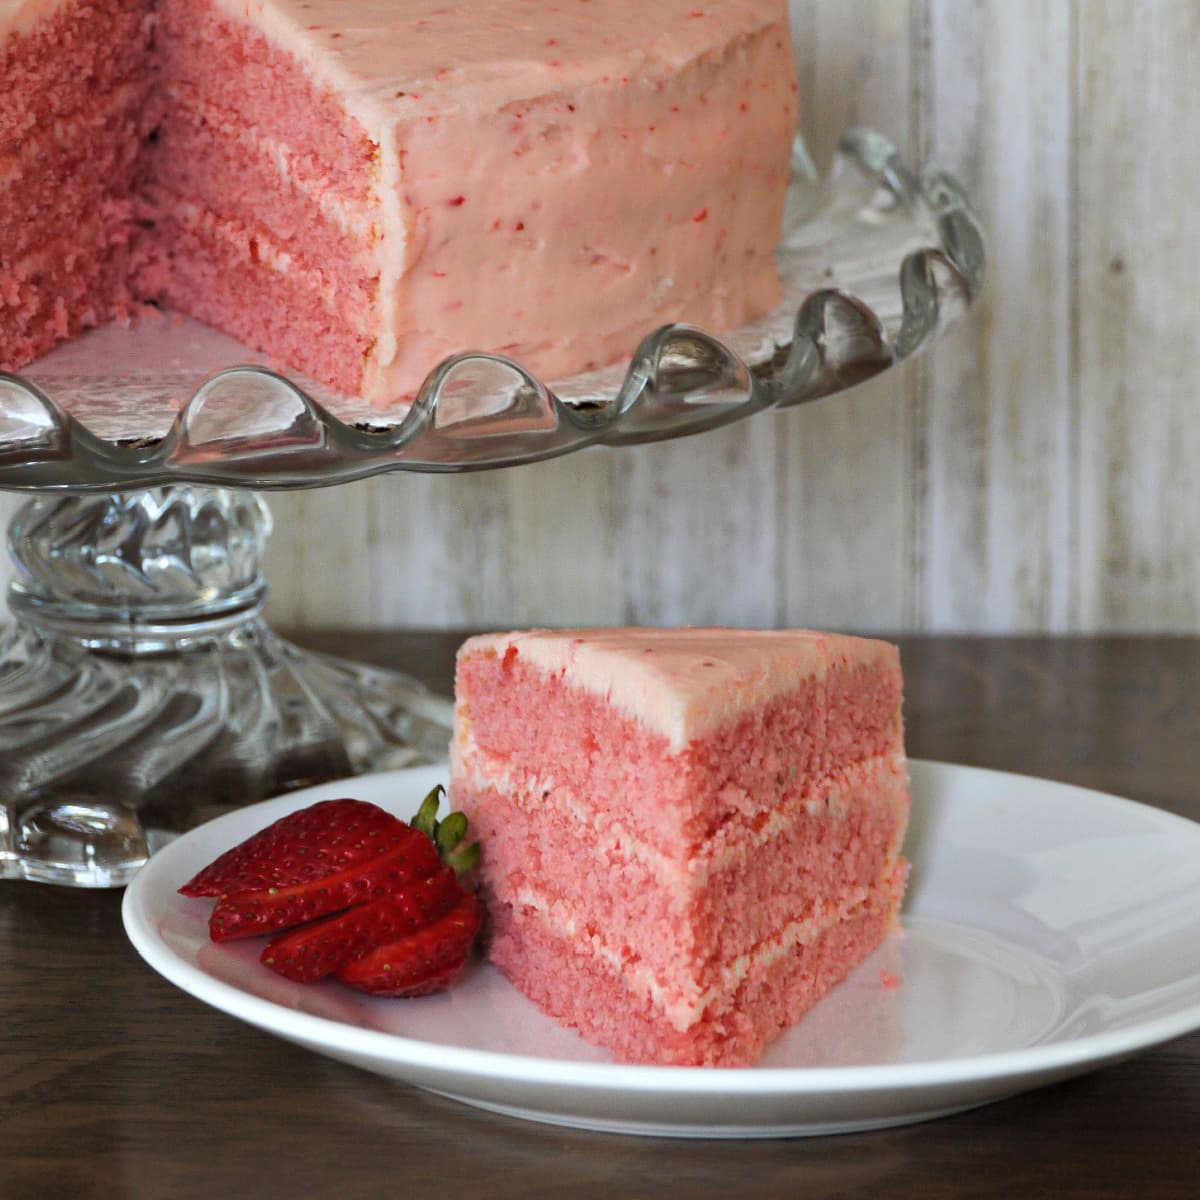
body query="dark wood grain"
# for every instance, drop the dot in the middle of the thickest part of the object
(114, 1084)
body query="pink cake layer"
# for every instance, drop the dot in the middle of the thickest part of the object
(567, 978)
(728, 896)
(228, 177)
(209, 279)
(66, 64)
(215, 54)
(184, 226)
(57, 177)
(70, 160)
(534, 723)
(65, 286)
(254, 166)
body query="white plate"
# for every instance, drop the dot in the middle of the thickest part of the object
(1048, 930)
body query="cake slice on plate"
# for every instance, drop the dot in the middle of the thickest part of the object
(691, 835)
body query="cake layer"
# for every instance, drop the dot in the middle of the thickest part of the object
(294, 267)
(212, 280)
(72, 283)
(217, 53)
(263, 200)
(58, 58)
(241, 178)
(566, 974)
(685, 919)
(72, 93)
(677, 731)
(59, 176)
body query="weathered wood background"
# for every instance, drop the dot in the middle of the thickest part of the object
(1040, 470)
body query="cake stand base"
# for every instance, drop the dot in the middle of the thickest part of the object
(141, 691)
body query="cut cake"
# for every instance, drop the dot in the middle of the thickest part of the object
(690, 836)
(363, 187)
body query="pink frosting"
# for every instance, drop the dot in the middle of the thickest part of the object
(686, 682)
(485, 54)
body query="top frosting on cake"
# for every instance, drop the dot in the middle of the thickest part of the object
(686, 682)
(434, 56)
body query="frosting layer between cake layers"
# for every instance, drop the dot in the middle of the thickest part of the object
(701, 828)
(364, 188)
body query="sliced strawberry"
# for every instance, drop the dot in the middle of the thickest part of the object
(321, 947)
(324, 839)
(364, 895)
(250, 914)
(427, 985)
(422, 962)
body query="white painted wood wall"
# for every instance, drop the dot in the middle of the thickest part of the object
(1039, 471)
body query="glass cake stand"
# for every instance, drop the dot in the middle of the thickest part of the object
(141, 691)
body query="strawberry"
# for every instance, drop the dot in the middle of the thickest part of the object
(307, 845)
(319, 948)
(247, 914)
(421, 962)
(359, 892)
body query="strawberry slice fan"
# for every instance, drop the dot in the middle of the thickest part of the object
(354, 892)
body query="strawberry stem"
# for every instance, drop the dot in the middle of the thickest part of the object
(463, 860)
(447, 834)
(426, 819)
(450, 832)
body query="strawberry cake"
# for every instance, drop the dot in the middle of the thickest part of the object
(690, 836)
(363, 187)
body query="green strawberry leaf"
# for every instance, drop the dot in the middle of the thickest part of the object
(426, 819)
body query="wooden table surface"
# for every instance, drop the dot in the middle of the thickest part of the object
(113, 1083)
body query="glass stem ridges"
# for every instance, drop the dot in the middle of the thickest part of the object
(142, 692)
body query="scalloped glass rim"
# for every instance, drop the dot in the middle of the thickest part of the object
(877, 261)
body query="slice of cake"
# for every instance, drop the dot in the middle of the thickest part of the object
(364, 187)
(691, 835)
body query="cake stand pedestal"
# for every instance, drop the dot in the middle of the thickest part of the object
(141, 692)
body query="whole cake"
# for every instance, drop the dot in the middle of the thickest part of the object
(362, 187)
(690, 836)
